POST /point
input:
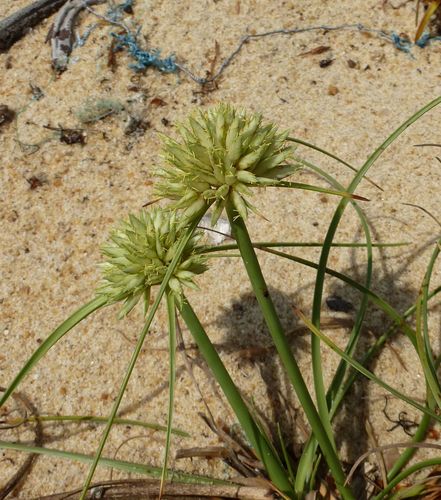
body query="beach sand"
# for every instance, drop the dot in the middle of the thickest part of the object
(58, 203)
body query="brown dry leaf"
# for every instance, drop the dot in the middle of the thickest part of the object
(317, 50)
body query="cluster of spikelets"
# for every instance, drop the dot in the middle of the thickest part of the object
(139, 253)
(220, 154)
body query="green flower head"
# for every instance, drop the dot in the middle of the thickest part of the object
(139, 253)
(219, 155)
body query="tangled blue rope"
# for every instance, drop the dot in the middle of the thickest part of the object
(406, 45)
(144, 58)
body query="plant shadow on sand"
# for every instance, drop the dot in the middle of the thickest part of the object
(247, 337)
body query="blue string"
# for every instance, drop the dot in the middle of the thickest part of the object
(81, 40)
(144, 58)
(406, 45)
(426, 39)
(401, 43)
(117, 12)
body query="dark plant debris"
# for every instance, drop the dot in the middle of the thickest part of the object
(36, 91)
(321, 49)
(324, 63)
(61, 34)
(406, 424)
(210, 86)
(35, 182)
(6, 114)
(136, 126)
(158, 102)
(111, 55)
(70, 135)
(148, 488)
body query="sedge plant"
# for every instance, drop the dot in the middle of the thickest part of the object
(218, 158)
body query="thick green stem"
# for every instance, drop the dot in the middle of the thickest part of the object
(255, 435)
(281, 343)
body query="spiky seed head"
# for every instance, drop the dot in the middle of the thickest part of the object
(220, 152)
(138, 254)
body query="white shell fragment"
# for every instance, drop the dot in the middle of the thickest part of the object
(214, 233)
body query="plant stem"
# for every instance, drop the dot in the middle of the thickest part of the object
(122, 465)
(171, 314)
(83, 419)
(255, 435)
(359, 367)
(423, 341)
(305, 468)
(281, 343)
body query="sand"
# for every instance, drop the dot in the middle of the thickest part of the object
(59, 201)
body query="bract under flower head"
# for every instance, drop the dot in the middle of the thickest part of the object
(220, 153)
(139, 253)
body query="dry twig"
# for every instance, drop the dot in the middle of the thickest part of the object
(61, 35)
(15, 26)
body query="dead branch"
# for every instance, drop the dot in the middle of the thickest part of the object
(62, 32)
(15, 26)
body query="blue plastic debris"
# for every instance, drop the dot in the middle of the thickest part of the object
(406, 45)
(401, 43)
(425, 39)
(144, 58)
